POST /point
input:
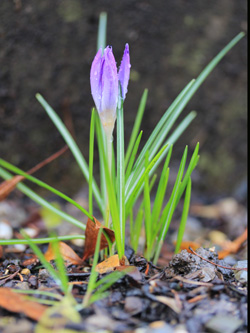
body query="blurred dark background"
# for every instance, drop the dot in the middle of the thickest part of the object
(48, 46)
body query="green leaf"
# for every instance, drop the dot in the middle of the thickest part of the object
(136, 126)
(184, 216)
(38, 199)
(72, 146)
(18, 171)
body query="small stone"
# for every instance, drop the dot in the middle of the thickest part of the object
(19, 247)
(25, 271)
(159, 326)
(180, 329)
(133, 305)
(241, 276)
(5, 230)
(208, 274)
(222, 324)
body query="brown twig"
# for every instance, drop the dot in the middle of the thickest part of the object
(213, 263)
(196, 299)
(47, 160)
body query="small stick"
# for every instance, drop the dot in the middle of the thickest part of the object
(197, 298)
(198, 283)
(211, 262)
(47, 160)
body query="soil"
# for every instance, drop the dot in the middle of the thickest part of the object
(188, 295)
(191, 292)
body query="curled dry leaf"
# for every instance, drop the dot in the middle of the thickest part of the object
(14, 302)
(67, 253)
(170, 302)
(92, 229)
(8, 186)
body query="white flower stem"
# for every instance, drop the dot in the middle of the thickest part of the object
(109, 139)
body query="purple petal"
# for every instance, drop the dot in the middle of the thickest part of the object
(109, 86)
(124, 71)
(96, 79)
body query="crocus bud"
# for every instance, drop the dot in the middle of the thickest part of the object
(124, 71)
(104, 84)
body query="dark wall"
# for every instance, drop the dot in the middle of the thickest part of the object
(48, 46)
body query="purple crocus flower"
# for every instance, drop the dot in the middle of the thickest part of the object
(104, 83)
(124, 71)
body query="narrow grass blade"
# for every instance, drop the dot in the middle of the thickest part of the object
(136, 227)
(169, 210)
(18, 171)
(184, 216)
(94, 274)
(132, 156)
(91, 159)
(193, 162)
(111, 193)
(136, 126)
(38, 199)
(174, 137)
(101, 37)
(42, 259)
(131, 197)
(39, 240)
(147, 207)
(39, 292)
(161, 190)
(72, 146)
(121, 168)
(60, 264)
(151, 142)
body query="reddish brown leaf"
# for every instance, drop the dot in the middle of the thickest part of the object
(14, 302)
(232, 247)
(67, 253)
(91, 233)
(8, 186)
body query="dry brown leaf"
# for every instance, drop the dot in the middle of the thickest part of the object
(8, 186)
(110, 264)
(1, 251)
(92, 229)
(14, 302)
(232, 247)
(67, 253)
(132, 271)
(186, 244)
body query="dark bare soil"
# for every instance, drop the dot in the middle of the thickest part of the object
(188, 295)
